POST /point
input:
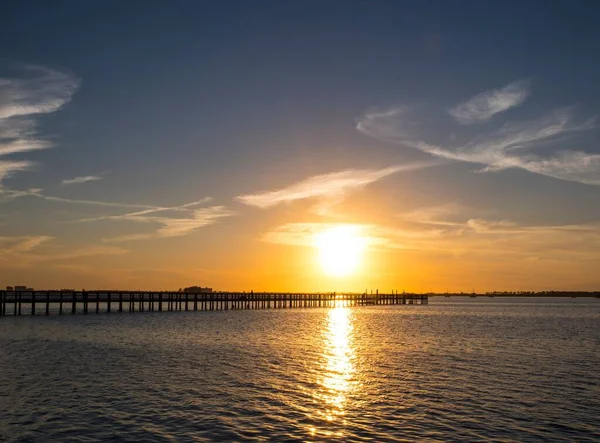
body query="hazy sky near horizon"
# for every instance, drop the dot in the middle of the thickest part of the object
(163, 144)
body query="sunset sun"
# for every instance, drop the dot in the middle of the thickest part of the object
(340, 250)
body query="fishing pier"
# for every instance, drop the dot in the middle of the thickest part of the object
(84, 302)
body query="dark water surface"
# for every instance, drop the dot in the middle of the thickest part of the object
(458, 369)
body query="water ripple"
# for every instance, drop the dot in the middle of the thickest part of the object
(455, 370)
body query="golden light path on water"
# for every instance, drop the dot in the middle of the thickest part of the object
(336, 379)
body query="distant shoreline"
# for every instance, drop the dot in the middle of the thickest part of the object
(520, 295)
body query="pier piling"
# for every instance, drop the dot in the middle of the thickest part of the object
(188, 301)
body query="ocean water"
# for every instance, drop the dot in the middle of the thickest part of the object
(455, 370)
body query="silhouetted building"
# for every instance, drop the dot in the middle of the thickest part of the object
(10, 288)
(197, 289)
(22, 288)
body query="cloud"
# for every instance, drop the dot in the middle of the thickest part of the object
(35, 90)
(20, 244)
(146, 210)
(485, 105)
(507, 141)
(29, 91)
(333, 185)
(174, 227)
(195, 217)
(82, 179)
(372, 235)
(168, 226)
(394, 125)
(87, 251)
(27, 251)
(18, 146)
(495, 227)
(305, 234)
(453, 234)
(7, 168)
(17, 128)
(493, 239)
(434, 214)
(10, 194)
(569, 165)
(513, 145)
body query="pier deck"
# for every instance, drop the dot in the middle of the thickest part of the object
(84, 302)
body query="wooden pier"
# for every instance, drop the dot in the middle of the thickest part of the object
(84, 302)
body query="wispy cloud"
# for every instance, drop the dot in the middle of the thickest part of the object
(26, 251)
(372, 235)
(332, 185)
(146, 211)
(26, 92)
(18, 146)
(195, 217)
(192, 218)
(470, 238)
(7, 168)
(485, 105)
(459, 234)
(10, 194)
(17, 128)
(436, 215)
(11, 245)
(511, 146)
(306, 234)
(395, 125)
(172, 226)
(35, 90)
(79, 252)
(82, 179)
(495, 148)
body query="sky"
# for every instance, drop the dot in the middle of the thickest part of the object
(158, 145)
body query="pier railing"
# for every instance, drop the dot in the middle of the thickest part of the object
(84, 302)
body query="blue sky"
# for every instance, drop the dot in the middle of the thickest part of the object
(482, 113)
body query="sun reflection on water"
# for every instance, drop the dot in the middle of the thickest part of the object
(337, 374)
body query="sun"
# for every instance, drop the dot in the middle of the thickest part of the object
(340, 249)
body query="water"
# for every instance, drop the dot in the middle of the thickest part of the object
(458, 369)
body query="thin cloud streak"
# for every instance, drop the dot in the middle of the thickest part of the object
(332, 185)
(168, 226)
(36, 90)
(511, 146)
(23, 145)
(484, 106)
(436, 215)
(472, 239)
(82, 179)
(27, 251)
(7, 168)
(37, 193)
(17, 127)
(150, 210)
(171, 226)
(89, 251)
(30, 90)
(20, 244)
(305, 234)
